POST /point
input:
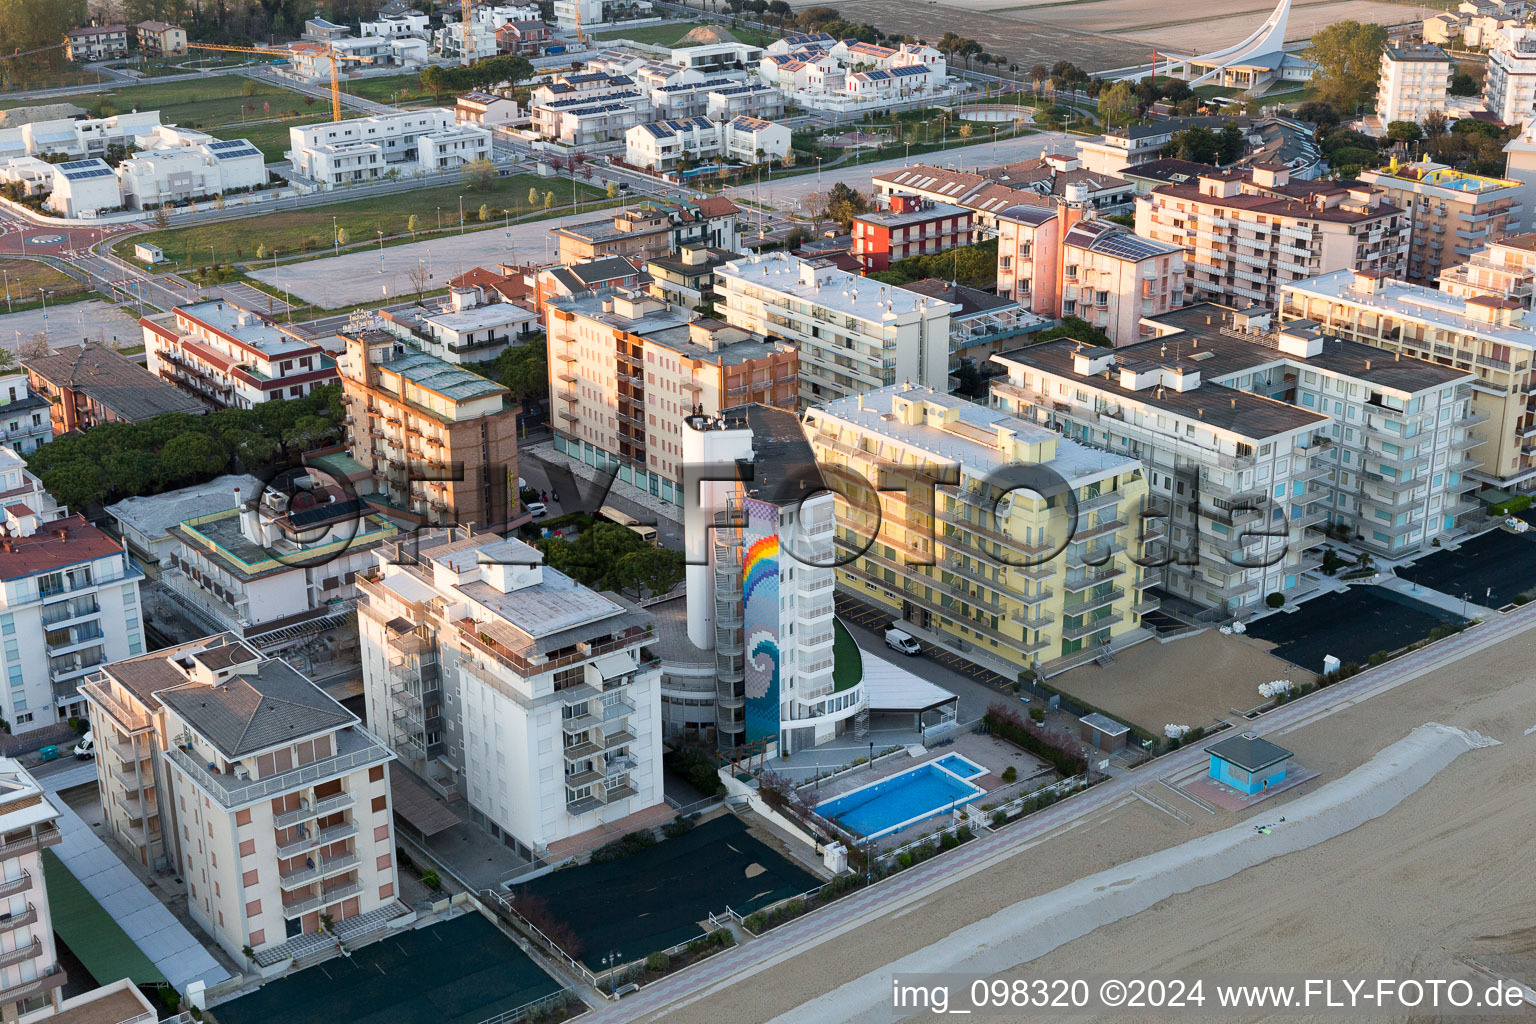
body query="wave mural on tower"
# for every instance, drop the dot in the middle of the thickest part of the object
(760, 600)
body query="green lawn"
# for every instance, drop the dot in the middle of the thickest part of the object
(206, 104)
(847, 660)
(669, 34)
(309, 229)
(185, 64)
(402, 90)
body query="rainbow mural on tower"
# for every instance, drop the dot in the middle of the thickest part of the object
(760, 614)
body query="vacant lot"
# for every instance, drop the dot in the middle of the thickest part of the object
(1350, 625)
(309, 229)
(668, 35)
(1192, 681)
(666, 893)
(401, 90)
(21, 280)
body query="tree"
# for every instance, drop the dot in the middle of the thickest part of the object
(613, 190)
(1078, 329)
(1463, 84)
(533, 197)
(480, 175)
(261, 251)
(410, 224)
(190, 456)
(1230, 144)
(1117, 104)
(1038, 74)
(549, 200)
(417, 275)
(1198, 144)
(1348, 58)
(655, 570)
(1435, 124)
(484, 213)
(162, 217)
(1404, 131)
(341, 236)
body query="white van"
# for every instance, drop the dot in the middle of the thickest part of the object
(86, 748)
(899, 640)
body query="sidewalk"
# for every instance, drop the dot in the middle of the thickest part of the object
(1440, 599)
(622, 493)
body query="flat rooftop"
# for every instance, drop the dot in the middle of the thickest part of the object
(555, 604)
(932, 211)
(1220, 354)
(153, 514)
(1399, 298)
(1224, 408)
(452, 382)
(971, 442)
(479, 318)
(829, 287)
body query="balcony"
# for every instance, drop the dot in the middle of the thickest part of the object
(324, 868)
(299, 907)
(1081, 583)
(43, 837)
(323, 838)
(22, 953)
(51, 978)
(357, 749)
(99, 693)
(1089, 628)
(1082, 605)
(9, 921)
(13, 886)
(329, 805)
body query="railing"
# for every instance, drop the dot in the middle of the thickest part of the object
(22, 953)
(99, 691)
(12, 886)
(28, 844)
(10, 921)
(324, 867)
(319, 771)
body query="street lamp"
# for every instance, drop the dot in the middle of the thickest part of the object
(380, 233)
(908, 159)
(45, 293)
(7, 276)
(335, 237)
(818, 170)
(461, 215)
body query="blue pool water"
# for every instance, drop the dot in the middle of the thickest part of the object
(902, 800)
(960, 766)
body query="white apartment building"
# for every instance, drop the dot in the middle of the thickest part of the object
(753, 99)
(484, 21)
(464, 329)
(145, 521)
(84, 188)
(588, 108)
(849, 75)
(171, 164)
(266, 796)
(271, 571)
(232, 357)
(80, 138)
(1506, 269)
(71, 603)
(667, 145)
(1509, 90)
(369, 148)
(760, 582)
(399, 25)
(1414, 80)
(571, 15)
(1249, 232)
(486, 110)
(501, 680)
(25, 423)
(21, 492)
(96, 42)
(1480, 334)
(30, 978)
(852, 334)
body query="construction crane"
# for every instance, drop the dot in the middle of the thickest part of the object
(331, 53)
(468, 32)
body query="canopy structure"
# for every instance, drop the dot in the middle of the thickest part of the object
(1253, 64)
(89, 931)
(415, 803)
(889, 687)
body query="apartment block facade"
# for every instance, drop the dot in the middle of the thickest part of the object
(268, 797)
(852, 334)
(1055, 263)
(1414, 80)
(1453, 213)
(978, 550)
(70, 604)
(1246, 233)
(760, 585)
(30, 974)
(439, 442)
(502, 681)
(1509, 89)
(1505, 269)
(1482, 335)
(231, 357)
(908, 226)
(626, 369)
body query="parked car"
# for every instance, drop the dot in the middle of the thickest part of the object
(902, 641)
(537, 509)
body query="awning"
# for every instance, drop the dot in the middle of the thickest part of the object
(618, 663)
(415, 803)
(889, 687)
(89, 931)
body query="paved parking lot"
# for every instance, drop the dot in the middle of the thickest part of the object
(869, 617)
(1490, 569)
(89, 319)
(1351, 625)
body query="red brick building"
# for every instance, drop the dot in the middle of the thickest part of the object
(908, 226)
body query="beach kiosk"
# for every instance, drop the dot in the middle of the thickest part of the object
(1247, 763)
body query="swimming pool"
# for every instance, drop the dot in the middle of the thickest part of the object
(893, 804)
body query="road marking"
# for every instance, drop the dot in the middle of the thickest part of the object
(1530, 730)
